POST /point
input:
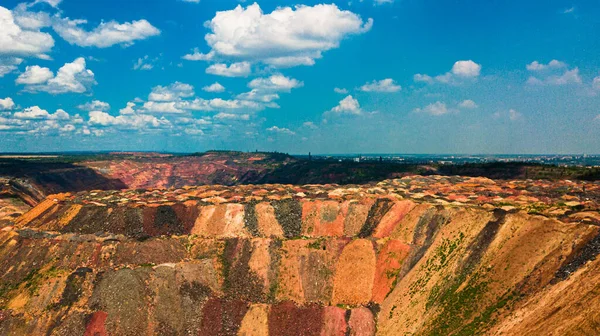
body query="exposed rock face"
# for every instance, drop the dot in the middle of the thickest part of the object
(282, 260)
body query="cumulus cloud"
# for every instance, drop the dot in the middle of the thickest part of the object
(466, 69)
(309, 124)
(436, 109)
(219, 103)
(265, 90)
(258, 95)
(215, 87)
(340, 90)
(30, 20)
(35, 112)
(8, 65)
(384, 85)
(231, 116)
(423, 78)
(68, 128)
(94, 105)
(135, 122)
(348, 105)
(71, 77)
(241, 69)
(281, 130)
(276, 82)
(596, 83)
(196, 55)
(162, 107)
(128, 109)
(17, 40)
(568, 77)
(34, 75)
(537, 66)
(468, 104)
(106, 34)
(172, 92)
(514, 114)
(6, 104)
(285, 37)
(461, 70)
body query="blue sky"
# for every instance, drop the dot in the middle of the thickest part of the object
(370, 76)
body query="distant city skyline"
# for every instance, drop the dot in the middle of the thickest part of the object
(371, 76)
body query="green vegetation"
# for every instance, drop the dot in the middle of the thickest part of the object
(442, 255)
(317, 244)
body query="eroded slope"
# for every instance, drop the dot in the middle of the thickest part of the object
(303, 260)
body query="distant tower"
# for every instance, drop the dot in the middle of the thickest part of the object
(309, 157)
(380, 159)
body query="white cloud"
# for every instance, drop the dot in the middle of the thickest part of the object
(381, 2)
(162, 107)
(106, 34)
(135, 122)
(384, 85)
(6, 104)
(71, 77)
(461, 70)
(172, 92)
(94, 105)
(569, 10)
(340, 90)
(241, 69)
(198, 56)
(276, 83)
(514, 115)
(231, 116)
(468, 104)
(466, 69)
(200, 104)
(566, 78)
(265, 90)
(30, 20)
(257, 95)
(286, 37)
(77, 119)
(436, 109)
(596, 83)
(309, 124)
(68, 128)
(36, 113)
(219, 103)
(128, 109)
(281, 130)
(144, 63)
(192, 1)
(423, 78)
(8, 65)
(214, 87)
(34, 75)
(18, 41)
(537, 66)
(348, 105)
(53, 3)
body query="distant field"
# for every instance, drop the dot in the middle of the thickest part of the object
(27, 156)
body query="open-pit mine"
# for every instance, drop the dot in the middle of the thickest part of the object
(413, 256)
